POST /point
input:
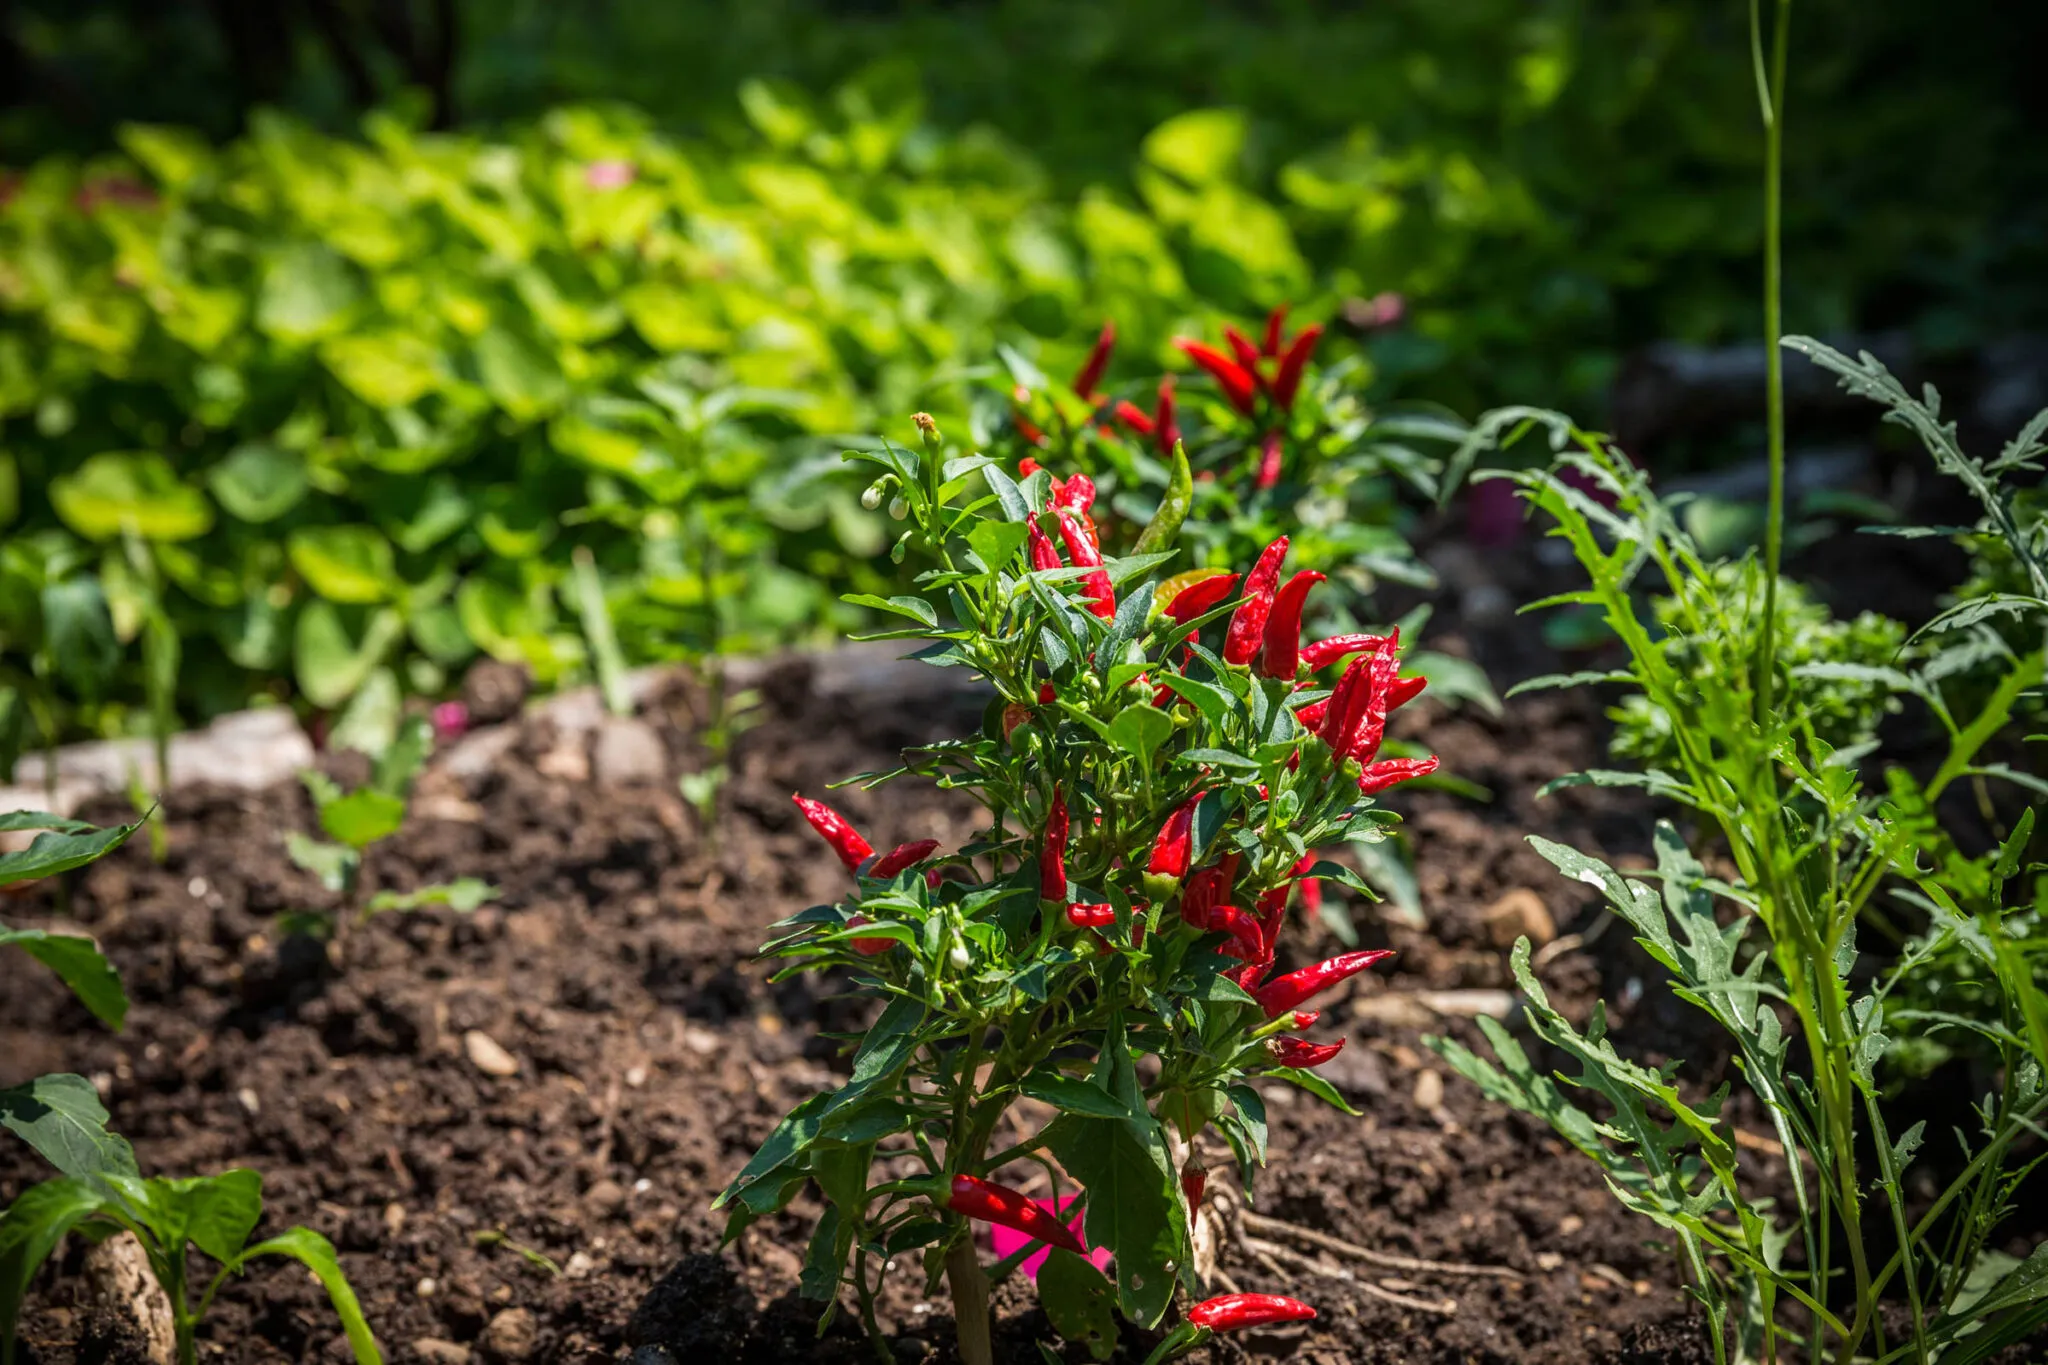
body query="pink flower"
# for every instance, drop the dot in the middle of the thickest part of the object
(609, 175)
(1008, 1241)
(451, 718)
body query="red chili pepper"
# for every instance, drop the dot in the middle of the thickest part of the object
(851, 848)
(1092, 369)
(1365, 741)
(1311, 715)
(1306, 1019)
(1175, 842)
(1076, 495)
(1238, 386)
(1232, 1311)
(1323, 653)
(1311, 887)
(1345, 708)
(1046, 695)
(1194, 1179)
(1133, 416)
(1282, 994)
(1287, 380)
(902, 856)
(1272, 912)
(1377, 777)
(1043, 553)
(1404, 690)
(1246, 353)
(1281, 657)
(1246, 943)
(1200, 597)
(1101, 598)
(1166, 430)
(1301, 1054)
(1099, 916)
(1207, 889)
(1269, 463)
(870, 946)
(1052, 857)
(999, 1204)
(1275, 320)
(1248, 624)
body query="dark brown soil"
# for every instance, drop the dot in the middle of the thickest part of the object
(560, 1214)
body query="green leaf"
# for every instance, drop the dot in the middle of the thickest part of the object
(307, 293)
(50, 854)
(79, 635)
(78, 963)
(258, 482)
(1016, 507)
(1140, 729)
(30, 1230)
(349, 564)
(329, 661)
(61, 1117)
(996, 543)
(1315, 1085)
(825, 1262)
(1132, 1208)
(363, 817)
(369, 724)
(217, 1212)
(916, 608)
(1078, 1302)
(316, 1253)
(463, 895)
(331, 863)
(1073, 1096)
(128, 490)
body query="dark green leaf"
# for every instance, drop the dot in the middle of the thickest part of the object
(62, 1118)
(78, 964)
(316, 1253)
(54, 853)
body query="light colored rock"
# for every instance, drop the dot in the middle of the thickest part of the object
(474, 754)
(1421, 1009)
(1429, 1091)
(627, 752)
(487, 1056)
(245, 749)
(1519, 912)
(438, 1352)
(117, 1275)
(566, 762)
(513, 1335)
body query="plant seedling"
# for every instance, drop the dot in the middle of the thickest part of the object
(354, 820)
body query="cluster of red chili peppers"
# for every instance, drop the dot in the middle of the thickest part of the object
(1258, 380)
(1263, 634)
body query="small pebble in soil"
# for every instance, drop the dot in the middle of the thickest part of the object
(435, 1351)
(1519, 913)
(426, 1287)
(605, 1198)
(512, 1335)
(487, 1056)
(1429, 1091)
(247, 1099)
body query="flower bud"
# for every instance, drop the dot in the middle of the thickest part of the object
(872, 497)
(899, 508)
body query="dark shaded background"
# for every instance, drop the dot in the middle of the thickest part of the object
(1916, 159)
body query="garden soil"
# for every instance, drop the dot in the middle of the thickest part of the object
(512, 1123)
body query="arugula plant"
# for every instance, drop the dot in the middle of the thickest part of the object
(398, 744)
(1160, 760)
(1816, 852)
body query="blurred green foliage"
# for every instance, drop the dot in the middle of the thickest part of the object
(299, 407)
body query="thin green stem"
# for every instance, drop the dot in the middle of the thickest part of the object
(1773, 96)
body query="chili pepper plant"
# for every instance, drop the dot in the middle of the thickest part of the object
(1159, 757)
